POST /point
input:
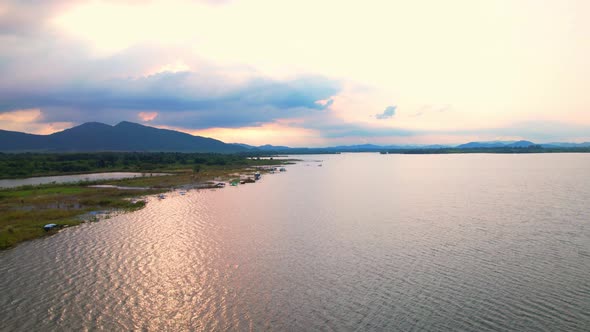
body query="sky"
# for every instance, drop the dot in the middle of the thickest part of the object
(301, 73)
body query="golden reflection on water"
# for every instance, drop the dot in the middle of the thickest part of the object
(366, 242)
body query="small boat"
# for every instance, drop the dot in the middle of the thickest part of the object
(49, 227)
(283, 169)
(161, 196)
(257, 176)
(234, 183)
(183, 193)
(220, 185)
(320, 165)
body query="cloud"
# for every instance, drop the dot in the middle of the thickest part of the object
(147, 116)
(60, 77)
(387, 113)
(183, 98)
(30, 121)
(40, 68)
(329, 126)
(325, 104)
(28, 17)
(21, 116)
(76, 61)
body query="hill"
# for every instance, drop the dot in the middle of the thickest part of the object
(125, 136)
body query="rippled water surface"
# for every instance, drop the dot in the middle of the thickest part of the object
(366, 242)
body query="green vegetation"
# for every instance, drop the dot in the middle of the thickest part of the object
(21, 165)
(25, 210)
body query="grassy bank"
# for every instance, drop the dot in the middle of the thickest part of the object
(25, 210)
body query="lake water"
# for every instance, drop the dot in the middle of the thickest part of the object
(13, 183)
(367, 242)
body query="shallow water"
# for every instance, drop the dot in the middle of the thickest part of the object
(12, 183)
(366, 242)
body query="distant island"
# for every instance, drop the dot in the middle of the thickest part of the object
(134, 137)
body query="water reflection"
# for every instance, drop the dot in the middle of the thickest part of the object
(12, 183)
(368, 241)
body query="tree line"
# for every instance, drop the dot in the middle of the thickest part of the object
(37, 164)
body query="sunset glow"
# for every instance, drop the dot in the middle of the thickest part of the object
(233, 70)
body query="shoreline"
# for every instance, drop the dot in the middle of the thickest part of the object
(25, 210)
(100, 171)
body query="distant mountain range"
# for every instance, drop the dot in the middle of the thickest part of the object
(129, 136)
(520, 144)
(496, 144)
(125, 136)
(379, 148)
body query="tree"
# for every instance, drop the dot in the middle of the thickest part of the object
(196, 168)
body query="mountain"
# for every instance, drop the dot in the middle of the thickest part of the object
(361, 147)
(478, 145)
(129, 136)
(246, 146)
(496, 144)
(269, 147)
(125, 136)
(433, 146)
(520, 144)
(15, 141)
(266, 147)
(566, 145)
